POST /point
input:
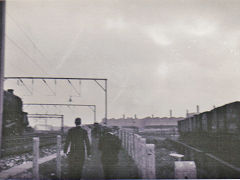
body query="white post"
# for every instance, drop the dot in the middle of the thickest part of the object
(59, 148)
(89, 135)
(125, 140)
(132, 145)
(135, 148)
(122, 137)
(119, 133)
(138, 158)
(35, 157)
(151, 166)
(143, 157)
(129, 143)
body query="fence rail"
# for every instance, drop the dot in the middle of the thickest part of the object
(142, 153)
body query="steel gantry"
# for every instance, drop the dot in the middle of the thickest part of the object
(97, 80)
(92, 107)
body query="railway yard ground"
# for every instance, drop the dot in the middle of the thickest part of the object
(207, 165)
(14, 160)
(92, 168)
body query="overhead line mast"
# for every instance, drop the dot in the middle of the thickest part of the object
(2, 47)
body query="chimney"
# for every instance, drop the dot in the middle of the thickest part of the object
(135, 116)
(214, 106)
(10, 91)
(197, 109)
(123, 116)
(170, 113)
(186, 113)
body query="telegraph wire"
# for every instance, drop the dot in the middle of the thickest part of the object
(26, 54)
(28, 37)
(17, 68)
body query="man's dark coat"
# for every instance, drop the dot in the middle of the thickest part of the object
(77, 137)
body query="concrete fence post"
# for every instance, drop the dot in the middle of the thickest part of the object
(128, 142)
(143, 154)
(126, 148)
(133, 146)
(89, 131)
(143, 157)
(138, 158)
(119, 134)
(59, 148)
(124, 139)
(35, 158)
(136, 148)
(151, 166)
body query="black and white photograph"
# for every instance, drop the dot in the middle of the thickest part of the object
(119, 89)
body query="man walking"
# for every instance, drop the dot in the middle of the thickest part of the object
(77, 137)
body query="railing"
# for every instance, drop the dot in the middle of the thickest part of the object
(142, 153)
(34, 164)
(36, 159)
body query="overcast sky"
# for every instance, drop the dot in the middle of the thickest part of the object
(156, 54)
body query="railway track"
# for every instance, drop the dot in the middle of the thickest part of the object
(24, 143)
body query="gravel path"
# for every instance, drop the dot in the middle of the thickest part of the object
(92, 168)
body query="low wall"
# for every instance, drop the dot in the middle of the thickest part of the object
(142, 153)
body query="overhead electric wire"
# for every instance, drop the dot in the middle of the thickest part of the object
(18, 68)
(27, 36)
(26, 54)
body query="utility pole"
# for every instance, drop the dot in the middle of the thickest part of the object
(106, 102)
(2, 43)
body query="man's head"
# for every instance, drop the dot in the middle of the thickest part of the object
(78, 121)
